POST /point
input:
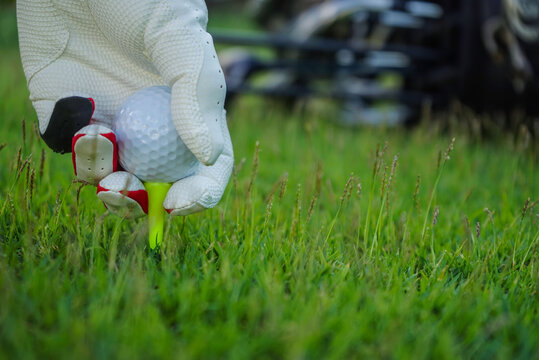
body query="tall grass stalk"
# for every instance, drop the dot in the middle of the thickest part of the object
(435, 187)
(378, 163)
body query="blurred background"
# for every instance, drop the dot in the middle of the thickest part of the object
(376, 62)
(386, 62)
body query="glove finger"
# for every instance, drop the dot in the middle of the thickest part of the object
(198, 118)
(123, 194)
(191, 195)
(188, 64)
(95, 153)
(204, 189)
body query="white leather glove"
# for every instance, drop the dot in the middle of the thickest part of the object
(74, 50)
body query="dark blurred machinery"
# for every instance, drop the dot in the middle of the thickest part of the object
(385, 59)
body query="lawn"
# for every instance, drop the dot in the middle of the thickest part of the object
(328, 243)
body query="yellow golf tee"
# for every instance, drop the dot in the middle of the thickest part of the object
(156, 213)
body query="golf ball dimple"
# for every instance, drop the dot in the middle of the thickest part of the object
(148, 144)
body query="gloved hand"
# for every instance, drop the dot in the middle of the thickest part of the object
(83, 58)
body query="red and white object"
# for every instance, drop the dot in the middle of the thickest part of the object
(123, 194)
(95, 153)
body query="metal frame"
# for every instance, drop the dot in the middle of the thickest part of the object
(424, 43)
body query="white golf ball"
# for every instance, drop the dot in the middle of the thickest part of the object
(148, 144)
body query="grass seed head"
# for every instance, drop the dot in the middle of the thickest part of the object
(23, 131)
(267, 215)
(386, 145)
(449, 150)
(416, 192)
(532, 205)
(28, 171)
(390, 180)
(11, 204)
(23, 166)
(379, 160)
(32, 184)
(375, 167)
(284, 183)
(239, 167)
(42, 163)
(36, 130)
(490, 215)
(297, 214)
(393, 170)
(347, 191)
(311, 207)
(297, 206)
(381, 156)
(19, 159)
(350, 186)
(57, 203)
(384, 182)
(435, 218)
(525, 208)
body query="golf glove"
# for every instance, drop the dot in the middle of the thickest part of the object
(82, 59)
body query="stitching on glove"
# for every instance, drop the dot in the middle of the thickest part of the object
(96, 23)
(38, 68)
(193, 77)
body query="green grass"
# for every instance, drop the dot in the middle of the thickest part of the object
(272, 273)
